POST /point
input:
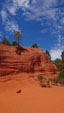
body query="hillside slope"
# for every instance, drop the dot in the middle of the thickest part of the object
(25, 59)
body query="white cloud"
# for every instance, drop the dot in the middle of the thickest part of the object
(12, 26)
(56, 53)
(3, 15)
(12, 9)
(21, 3)
(9, 23)
(38, 10)
(33, 9)
(17, 4)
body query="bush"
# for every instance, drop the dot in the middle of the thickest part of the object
(5, 41)
(14, 43)
(58, 81)
(35, 45)
(48, 54)
(61, 74)
(44, 82)
(59, 64)
(40, 78)
(62, 56)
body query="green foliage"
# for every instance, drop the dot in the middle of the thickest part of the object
(57, 61)
(48, 54)
(59, 64)
(5, 41)
(62, 56)
(18, 36)
(58, 81)
(14, 43)
(61, 74)
(35, 45)
(44, 82)
(40, 78)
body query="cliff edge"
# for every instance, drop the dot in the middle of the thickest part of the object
(24, 59)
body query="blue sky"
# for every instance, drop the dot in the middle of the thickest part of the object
(40, 21)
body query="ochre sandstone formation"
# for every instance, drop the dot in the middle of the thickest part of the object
(24, 59)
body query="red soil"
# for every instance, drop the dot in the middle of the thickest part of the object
(32, 99)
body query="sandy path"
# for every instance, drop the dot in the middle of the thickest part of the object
(33, 98)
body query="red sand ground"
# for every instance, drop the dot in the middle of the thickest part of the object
(32, 99)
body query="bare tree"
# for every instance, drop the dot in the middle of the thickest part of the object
(18, 36)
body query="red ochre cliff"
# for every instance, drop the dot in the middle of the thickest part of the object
(24, 59)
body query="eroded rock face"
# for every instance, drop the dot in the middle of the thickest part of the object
(24, 59)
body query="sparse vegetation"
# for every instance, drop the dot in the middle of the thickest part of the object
(49, 83)
(44, 82)
(60, 65)
(18, 36)
(62, 56)
(5, 41)
(59, 81)
(35, 45)
(40, 78)
(14, 43)
(48, 54)
(61, 74)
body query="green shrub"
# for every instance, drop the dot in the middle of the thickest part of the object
(48, 54)
(14, 43)
(40, 78)
(35, 45)
(62, 56)
(61, 74)
(59, 64)
(45, 83)
(5, 41)
(58, 80)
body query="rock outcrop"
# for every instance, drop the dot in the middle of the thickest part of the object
(24, 59)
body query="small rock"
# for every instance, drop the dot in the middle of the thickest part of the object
(19, 91)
